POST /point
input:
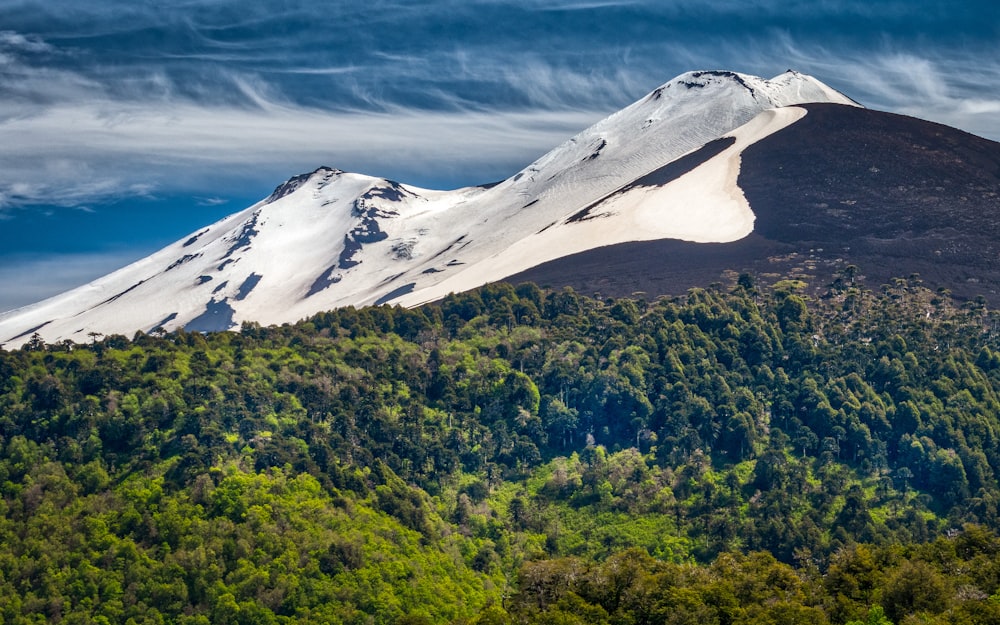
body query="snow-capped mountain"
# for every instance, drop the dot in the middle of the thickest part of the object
(665, 168)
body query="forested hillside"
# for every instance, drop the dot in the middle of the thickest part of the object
(516, 455)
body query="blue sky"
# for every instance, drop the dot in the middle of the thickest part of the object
(125, 125)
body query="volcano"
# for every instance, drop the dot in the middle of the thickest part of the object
(712, 174)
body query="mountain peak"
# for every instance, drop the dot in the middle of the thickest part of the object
(292, 184)
(713, 74)
(786, 89)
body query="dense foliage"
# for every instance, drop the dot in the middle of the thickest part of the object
(510, 453)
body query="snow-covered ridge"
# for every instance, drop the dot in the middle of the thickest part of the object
(331, 238)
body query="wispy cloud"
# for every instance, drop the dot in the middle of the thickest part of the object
(13, 40)
(211, 201)
(937, 89)
(63, 185)
(957, 88)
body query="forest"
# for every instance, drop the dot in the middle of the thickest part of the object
(516, 455)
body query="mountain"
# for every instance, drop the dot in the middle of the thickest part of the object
(890, 194)
(712, 172)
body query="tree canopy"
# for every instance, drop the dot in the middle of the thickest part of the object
(515, 453)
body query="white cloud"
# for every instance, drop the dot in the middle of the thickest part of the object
(959, 91)
(211, 201)
(17, 41)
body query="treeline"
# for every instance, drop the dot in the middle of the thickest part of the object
(383, 463)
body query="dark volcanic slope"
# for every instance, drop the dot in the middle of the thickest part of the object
(653, 268)
(892, 194)
(843, 171)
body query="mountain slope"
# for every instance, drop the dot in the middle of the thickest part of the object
(333, 238)
(891, 194)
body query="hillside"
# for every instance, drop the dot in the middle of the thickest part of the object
(511, 453)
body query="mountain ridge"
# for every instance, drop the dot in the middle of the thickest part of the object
(668, 169)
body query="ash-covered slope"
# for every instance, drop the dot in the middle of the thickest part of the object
(892, 195)
(663, 168)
